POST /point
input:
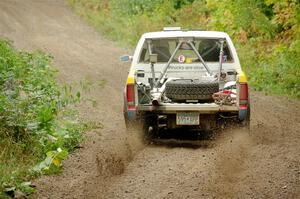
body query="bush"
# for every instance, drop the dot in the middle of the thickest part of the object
(277, 71)
(35, 123)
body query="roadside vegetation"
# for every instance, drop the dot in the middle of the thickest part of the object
(37, 127)
(266, 32)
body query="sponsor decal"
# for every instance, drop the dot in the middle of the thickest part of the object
(181, 59)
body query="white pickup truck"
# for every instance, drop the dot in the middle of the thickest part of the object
(181, 78)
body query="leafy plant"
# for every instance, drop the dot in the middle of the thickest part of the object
(37, 127)
(52, 162)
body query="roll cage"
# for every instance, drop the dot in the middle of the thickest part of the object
(190, 43)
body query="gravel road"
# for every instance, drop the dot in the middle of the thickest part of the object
(112, 164)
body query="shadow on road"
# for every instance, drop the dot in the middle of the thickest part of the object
(184, 137)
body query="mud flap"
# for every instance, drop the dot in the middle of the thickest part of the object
(244, 117)
(243, 113)
(131, 114)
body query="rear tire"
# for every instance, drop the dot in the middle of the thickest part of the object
(146, 125)
(245, 124)
(150, 127)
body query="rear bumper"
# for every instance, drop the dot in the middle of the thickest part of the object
(205, 108)
(243, 113)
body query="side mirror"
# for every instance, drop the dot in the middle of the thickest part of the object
(126, 58)
(153, 58)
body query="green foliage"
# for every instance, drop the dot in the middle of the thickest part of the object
(52, 162)
(278, 71)
(239, 16)
(266, 32)
(37, 129)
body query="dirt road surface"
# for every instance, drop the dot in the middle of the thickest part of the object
(112, 164)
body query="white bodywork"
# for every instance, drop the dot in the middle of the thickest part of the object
(235, 65)
(184, 71)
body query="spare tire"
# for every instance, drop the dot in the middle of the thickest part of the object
(189, 89)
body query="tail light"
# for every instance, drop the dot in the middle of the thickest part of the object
(243, 93)
(130, 96)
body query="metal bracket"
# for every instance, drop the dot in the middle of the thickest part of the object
(168, 64)
(200, 57)
(221, 58)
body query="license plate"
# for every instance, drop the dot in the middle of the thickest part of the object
(187, 118)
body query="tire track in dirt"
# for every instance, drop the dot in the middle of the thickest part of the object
(264, 164)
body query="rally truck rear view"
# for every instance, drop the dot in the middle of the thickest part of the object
(182, 78)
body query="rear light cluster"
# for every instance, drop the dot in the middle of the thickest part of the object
(244, 95)
(130, 96)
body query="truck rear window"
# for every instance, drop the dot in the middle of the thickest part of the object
(209, 49)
